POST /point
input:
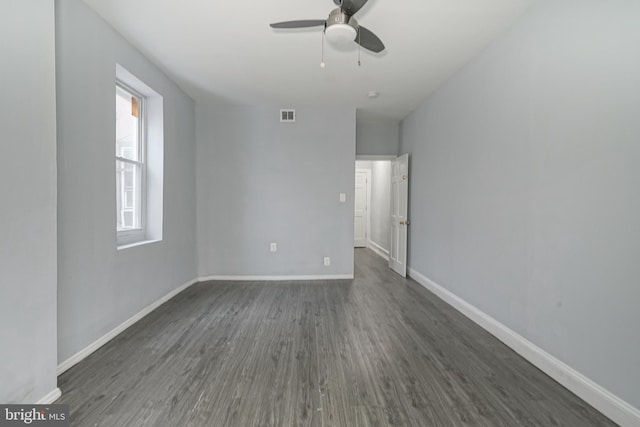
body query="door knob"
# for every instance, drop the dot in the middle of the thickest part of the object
(407, 222)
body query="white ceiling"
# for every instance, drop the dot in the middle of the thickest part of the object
(225, 51)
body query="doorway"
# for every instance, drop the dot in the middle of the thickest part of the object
(362, 208)
(372, 213)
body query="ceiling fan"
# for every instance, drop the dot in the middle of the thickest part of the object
(341, 27)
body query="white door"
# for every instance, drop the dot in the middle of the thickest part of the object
(360, 214)
(399, 220)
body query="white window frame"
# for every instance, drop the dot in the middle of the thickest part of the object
(126, 237)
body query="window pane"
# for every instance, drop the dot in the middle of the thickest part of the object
(127, 124)
(128, 195)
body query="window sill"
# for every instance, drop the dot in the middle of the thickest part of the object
(134, 244)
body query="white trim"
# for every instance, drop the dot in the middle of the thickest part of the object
(138, 243)
(82, 354)
(274, 278)
(378, 249)
(126, 237)
(603, 400)
(51, 397)
(374, 157)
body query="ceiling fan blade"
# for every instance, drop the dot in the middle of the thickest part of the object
(350, 7)
(368, 40)
(299, 24)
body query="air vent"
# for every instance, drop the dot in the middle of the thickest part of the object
(288, 116)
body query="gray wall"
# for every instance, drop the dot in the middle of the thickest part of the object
(377, 138)
(524, 185)
(262, 181)
(100, 287)
(28, 208)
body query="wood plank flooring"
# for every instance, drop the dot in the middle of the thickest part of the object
(378, 350)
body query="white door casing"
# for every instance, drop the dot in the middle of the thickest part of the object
(399, 220)
(360, 210)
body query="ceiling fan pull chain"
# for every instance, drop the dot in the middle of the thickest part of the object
(359, 47)
(322, 64)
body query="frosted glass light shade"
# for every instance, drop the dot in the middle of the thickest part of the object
(340, 34)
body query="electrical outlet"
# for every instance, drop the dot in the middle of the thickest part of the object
(273, 247)
(327, 261)
(343, 197)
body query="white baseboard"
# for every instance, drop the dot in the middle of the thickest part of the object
(51, 397)
(604, 401)
(274, 278)
(82, 354)
(379, 250)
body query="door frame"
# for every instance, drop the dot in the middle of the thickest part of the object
(374, 157)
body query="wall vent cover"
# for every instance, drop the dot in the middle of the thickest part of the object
(288, 116)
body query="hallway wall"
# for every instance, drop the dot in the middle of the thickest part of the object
(524, 196)
(262, 181)
(28, 208)
(99, 286)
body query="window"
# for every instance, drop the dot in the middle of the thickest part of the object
(130, 164)
(139, 150)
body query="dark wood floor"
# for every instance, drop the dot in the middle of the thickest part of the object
(379, 350)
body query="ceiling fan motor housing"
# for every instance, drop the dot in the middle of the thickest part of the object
(337, 16)
(341, 28)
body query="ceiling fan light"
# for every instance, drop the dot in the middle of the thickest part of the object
(340, 34)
